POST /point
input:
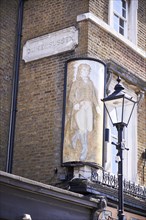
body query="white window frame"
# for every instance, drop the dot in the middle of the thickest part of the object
(124, 19)
(131, 32)
(130, 140)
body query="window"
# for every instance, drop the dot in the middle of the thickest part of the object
(120, 11)
(123, 18)
(129, 139)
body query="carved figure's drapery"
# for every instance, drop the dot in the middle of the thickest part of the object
(83, 130)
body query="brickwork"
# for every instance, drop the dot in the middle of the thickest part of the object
(98, 46)
(100, 9)
(49, 16)
(101, 44)
(142, 141)
(128, 215)
(142, 24)
(41, 86)
(98, 43)
(8, 15)
(106, 47)
(37, 149)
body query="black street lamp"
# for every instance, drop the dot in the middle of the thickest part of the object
(119, 107)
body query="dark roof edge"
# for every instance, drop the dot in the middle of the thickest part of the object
(24, 184)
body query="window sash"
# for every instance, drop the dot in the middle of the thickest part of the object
(119, 20)
(119, 16)
(119, 10)
(131, 19)
(120, 25)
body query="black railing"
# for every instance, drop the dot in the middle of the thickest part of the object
(111, 180)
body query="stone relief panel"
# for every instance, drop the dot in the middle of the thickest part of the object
(50, 44)
(83, 129)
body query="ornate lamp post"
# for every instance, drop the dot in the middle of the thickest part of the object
(119, 107)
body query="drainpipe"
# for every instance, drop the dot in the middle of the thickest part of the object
(9, 160)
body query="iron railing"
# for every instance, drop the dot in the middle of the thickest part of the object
(111, 180)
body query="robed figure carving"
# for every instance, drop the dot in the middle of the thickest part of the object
(83, 115)
(83, 98)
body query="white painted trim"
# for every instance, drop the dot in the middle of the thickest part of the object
(110, 13)
(132, 32)
(106, 27)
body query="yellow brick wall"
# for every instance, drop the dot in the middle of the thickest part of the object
(41, 85)
(37, 150)
(8, 16)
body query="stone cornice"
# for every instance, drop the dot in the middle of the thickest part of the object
(90, 16)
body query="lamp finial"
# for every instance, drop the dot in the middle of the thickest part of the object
(119, 79)
(118, 87)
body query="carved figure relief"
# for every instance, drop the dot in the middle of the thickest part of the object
(84, 112)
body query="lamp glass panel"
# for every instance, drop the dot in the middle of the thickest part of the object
(128, 108)
(115, 109)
